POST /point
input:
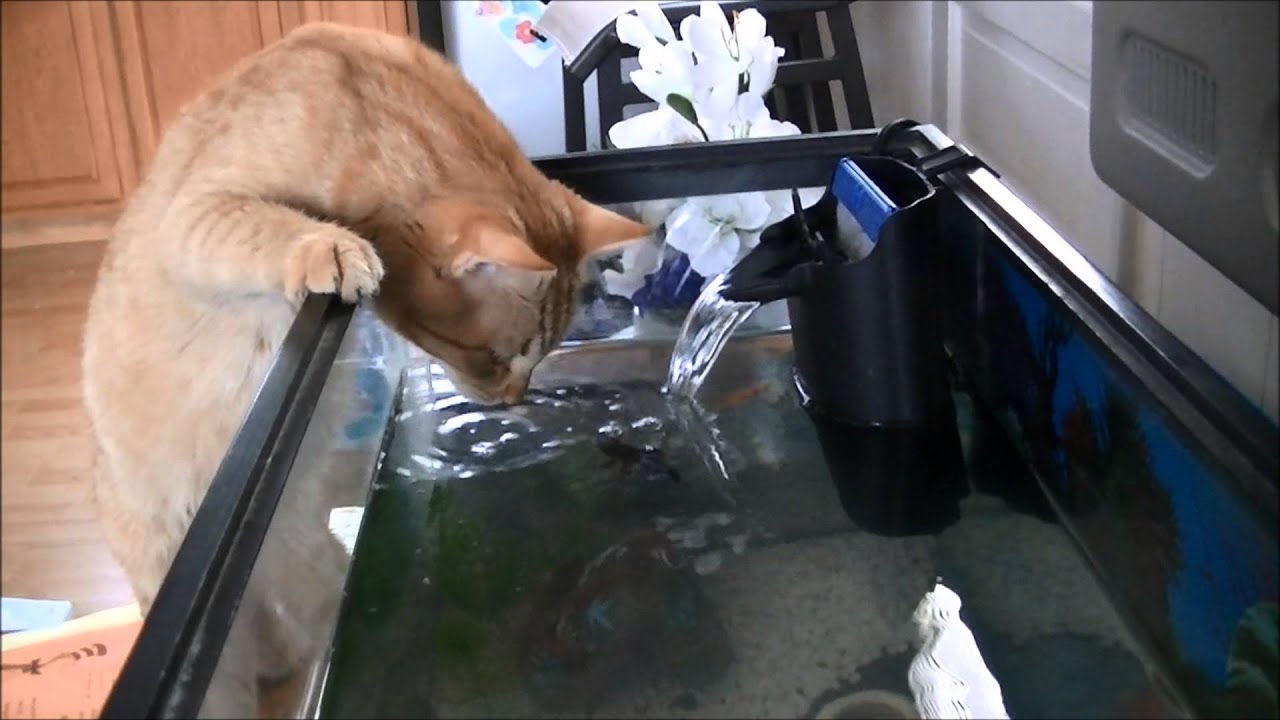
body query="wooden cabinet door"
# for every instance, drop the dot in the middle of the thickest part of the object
(172, 51)
(64, 138)
(89, 87)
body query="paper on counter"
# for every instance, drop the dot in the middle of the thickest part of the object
(67, 671)
(26, 614)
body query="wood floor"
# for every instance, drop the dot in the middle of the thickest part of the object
(49, 537)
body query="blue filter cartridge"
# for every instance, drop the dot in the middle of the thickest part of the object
(862, 208)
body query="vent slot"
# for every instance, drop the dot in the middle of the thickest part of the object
(1172, 95)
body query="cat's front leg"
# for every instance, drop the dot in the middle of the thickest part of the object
(233, 688)
(241, 245)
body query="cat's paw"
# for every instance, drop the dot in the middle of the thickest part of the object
(333, 260)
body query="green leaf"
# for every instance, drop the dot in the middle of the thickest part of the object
(683, 106)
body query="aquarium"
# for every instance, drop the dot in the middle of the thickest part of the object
(1103, 503)
(604, 549)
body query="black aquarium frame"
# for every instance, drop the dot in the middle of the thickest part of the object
(177, 650)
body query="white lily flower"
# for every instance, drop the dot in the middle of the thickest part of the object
(663, 126)
(648, 26)
(710, 36)
(763, 68)
(747, 117)
(717, 231)
(723, 72)
(665, 70)
(718, 69)
(631, 31)
(638, 260)
(768, 127)
(737, 122)
(725, 53)
(654, 212)
(748, 31)
(714, 89)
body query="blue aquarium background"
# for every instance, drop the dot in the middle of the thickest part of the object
(1182, 550)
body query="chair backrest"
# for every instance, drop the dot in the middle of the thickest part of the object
(801, 94)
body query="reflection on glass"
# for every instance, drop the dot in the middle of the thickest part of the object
(277, 645)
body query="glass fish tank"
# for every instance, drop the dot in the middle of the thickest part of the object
(605, 550)
(1101, 502)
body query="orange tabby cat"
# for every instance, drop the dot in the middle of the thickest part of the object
(335, 160)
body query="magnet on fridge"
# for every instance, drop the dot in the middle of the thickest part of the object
(516, 21)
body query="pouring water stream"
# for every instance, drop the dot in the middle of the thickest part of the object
(713, 319)
(706, 329)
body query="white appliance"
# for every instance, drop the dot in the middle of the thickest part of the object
(530, 101)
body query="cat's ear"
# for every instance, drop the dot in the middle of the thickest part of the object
(599, 231)
(483, 243)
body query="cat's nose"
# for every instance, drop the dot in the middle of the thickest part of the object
(513, 389)
(512, 394)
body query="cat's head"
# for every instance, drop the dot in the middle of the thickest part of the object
(489, 286)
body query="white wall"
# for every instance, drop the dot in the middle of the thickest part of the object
(1011, 81)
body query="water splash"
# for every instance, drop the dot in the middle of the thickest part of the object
(699, 428)
(707, 328)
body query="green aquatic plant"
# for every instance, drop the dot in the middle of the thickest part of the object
(504, 552)
(475, 569)
(476, 576)
(1252, 665)
(483, 572)
(577, 478)
(481, 566)
(458, 635)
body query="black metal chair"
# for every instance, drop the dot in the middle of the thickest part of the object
(801, 93)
